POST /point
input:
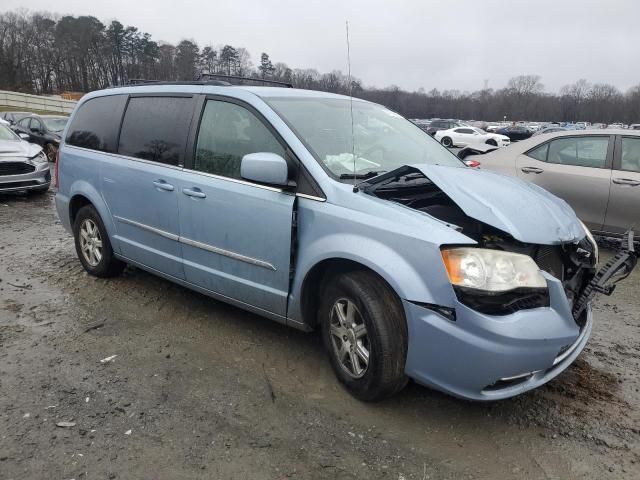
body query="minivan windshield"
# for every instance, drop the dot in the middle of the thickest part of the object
(381, 139)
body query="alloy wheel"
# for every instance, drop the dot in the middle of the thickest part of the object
(90, 242)
(349, 338)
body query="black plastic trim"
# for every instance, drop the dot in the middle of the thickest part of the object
(502, 303)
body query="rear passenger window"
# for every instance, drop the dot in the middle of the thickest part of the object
(95, 125)
(227, 133)
(156, 128)
(579, 151)
(539, 153)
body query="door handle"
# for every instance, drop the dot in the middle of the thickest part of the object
(162, 185)
(626, 181)
(195, 192)
(535, 170)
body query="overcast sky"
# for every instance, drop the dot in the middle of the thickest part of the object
(409, 43)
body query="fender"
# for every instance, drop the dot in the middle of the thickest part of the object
(406, 274)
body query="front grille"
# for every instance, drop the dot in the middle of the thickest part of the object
(15, 168)
(549, 259)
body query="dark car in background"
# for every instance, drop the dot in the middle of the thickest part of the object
(44, 130)
(515, 132)
(13, 117)
(439, 124)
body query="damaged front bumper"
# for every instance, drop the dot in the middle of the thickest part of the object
(486, 357)
(489, 357)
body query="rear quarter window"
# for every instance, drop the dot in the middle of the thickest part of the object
(96, 123)
(539, 153)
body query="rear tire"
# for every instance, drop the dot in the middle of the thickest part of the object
(447, 142)
(373, 328)
(93, 246)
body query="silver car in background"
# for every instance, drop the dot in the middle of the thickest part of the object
(23, 165)
(596, 171)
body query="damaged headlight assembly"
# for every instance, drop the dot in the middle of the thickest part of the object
(495, 282)
(593, 242)
(40, 157)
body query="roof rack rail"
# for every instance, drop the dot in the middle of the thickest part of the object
(262, 81)
(143, 81)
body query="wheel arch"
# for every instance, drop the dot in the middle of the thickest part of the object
(82, 194)
(319, 274)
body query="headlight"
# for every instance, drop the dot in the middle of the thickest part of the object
(491, 270)
(596, 252)
(39, 158)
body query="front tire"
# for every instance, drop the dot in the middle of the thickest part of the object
(447, 142)
(492, 142)
(93, 246)
(365, 334)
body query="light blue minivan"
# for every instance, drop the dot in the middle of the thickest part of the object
(324, 212)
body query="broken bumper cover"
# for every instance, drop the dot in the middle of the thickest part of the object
(484, 357)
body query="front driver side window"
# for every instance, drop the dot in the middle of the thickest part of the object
(227, 133)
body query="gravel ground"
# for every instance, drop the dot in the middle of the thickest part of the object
(198, 389)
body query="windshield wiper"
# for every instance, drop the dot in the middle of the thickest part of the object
(359, 176)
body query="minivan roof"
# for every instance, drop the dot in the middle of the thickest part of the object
(263, 92)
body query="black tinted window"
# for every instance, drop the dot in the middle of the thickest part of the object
(156, 128)
(95, 125)
(227, 133)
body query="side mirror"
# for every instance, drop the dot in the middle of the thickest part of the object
(24, 136)
(264, 167)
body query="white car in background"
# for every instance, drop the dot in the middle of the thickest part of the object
(467, 136)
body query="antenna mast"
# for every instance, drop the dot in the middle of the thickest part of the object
(353, 141)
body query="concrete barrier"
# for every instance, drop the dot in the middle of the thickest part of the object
(24, 101)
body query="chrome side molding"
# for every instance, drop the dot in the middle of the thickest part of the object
(194, 243)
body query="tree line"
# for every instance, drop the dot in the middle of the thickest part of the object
(43, 53)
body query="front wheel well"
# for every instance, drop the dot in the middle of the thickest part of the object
(76, 203)
(316, 279)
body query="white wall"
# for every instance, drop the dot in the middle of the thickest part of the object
(24, 101)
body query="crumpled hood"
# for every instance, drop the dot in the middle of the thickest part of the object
(524, 210)
(15, 148)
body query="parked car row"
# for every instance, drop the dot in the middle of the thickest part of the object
(43, 130)
(516, 131)
(466, 136)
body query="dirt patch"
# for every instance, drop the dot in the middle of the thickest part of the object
(199, 389)
(582, 383)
